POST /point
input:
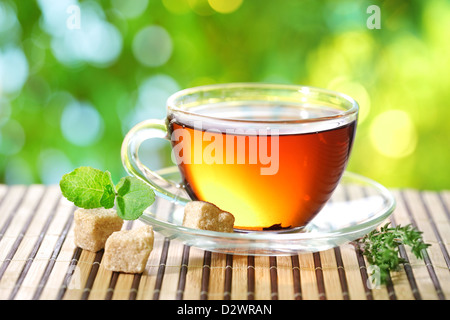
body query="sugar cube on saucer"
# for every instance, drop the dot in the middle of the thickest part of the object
(206, 216)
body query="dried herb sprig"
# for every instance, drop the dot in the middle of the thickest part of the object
(381, 247)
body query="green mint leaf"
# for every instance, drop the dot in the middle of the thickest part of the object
(133, 197)
(88, 188)
(108, 197)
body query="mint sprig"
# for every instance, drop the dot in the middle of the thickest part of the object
(91, 188)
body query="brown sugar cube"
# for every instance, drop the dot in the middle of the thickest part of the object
(94, 226)
(206, 216)
(128, 250)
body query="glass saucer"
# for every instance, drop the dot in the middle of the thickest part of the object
(357, 206)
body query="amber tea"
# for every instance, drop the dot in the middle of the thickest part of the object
(269, 180)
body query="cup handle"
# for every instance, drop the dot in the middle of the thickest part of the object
(145, 130)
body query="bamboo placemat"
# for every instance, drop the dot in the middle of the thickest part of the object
(38, 260)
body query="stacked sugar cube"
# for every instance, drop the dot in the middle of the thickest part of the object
(125, 250)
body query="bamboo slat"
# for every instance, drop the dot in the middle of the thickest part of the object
(239, 287)
(356, 287)
(285, 278)
(169, 285)
(309, 286)
(193, 287)
(148, 278)
(38, 259)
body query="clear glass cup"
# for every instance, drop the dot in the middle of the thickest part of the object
(271, 155)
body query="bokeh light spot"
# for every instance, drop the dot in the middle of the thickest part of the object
(355, 90)
(53, 164)
(345, 15)
(5, 110)
(151, 101)
(8, 18)
(18, 171)
(12, 138)
(130, 9)
(54, 15)
(154, 92)
(201, 7)
(81, 124)
(393, 134)
(176, 6)
(152, 46)
(13, 70)
(225, 6)
(95, 41)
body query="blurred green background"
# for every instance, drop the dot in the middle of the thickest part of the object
(75, 76)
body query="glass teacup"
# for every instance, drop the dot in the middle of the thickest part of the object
(271, 155)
